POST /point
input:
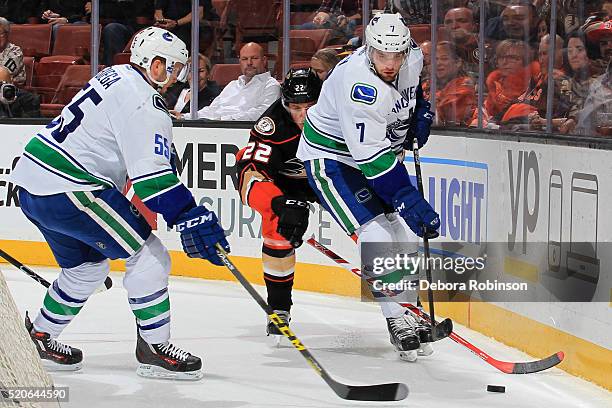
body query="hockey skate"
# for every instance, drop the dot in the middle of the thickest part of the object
(166, 361)
(55, 355)
(424, 332)
(403, 333)
(278, 339)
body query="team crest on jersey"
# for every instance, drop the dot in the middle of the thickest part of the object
(293, 168)
(364, 93)
(265, 126)
(159, 103)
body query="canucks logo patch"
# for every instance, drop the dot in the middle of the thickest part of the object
(159, 103)
(364, 93)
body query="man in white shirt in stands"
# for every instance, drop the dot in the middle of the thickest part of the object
(247, 97)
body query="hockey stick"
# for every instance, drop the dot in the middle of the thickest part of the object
(419, 177)
(507, 367)
(108, 282)
(377, 392)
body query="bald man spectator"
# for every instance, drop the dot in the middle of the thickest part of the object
(463, 33)
(11, 56)
(247, 97)
(14, 102)
(517, 21)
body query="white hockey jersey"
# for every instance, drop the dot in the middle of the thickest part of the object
(117, 125)
(359, 119)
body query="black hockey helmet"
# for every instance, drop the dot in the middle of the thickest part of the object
(301, 85)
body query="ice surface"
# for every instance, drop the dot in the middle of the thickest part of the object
(219, 322)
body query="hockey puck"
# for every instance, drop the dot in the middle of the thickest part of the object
(496, 388)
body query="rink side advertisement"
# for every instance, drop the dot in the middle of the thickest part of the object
(545, 208)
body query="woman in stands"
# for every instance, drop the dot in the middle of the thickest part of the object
(511, 78)
(323, 61)
(582, 70)
(456, 95)
(178, 96)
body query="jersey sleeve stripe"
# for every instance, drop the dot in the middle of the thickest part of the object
(316, 129)
(58, 162)
(379, 166)
(57, 173)
(151, 187)
(374, 156)
(150, 175)
(69, 157)
(321, 140)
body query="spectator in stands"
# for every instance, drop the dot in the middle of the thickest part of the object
(596, 115)
(118, 19)
(247, 97)
(456, 92)
(463, 33)
(518, 21)
(15, 102)
(599, 34)
(62, 11)
(582, 72)
(19, 11)
(175, 16)
(178, 96)
(340, 16)
(323, 61)
(11, 56)
(536, 95)
(511, 78)
(413, 11)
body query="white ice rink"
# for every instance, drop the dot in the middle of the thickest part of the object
(219, 322)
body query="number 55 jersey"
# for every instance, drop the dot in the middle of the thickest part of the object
(116, 126)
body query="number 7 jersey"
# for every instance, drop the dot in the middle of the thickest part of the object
(116, 126)
(359, 119)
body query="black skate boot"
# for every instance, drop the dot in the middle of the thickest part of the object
(55, 355)
(404, 336)
(278, 338)
(165, 360)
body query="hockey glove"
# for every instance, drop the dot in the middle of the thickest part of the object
(420, 127)
(200, 231)
(292, 218)
(417, 212)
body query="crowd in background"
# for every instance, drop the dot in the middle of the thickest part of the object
(513, 56)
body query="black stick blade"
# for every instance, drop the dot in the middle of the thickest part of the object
(443, 329)
(108, 283)
(540, 365)
(378, 392)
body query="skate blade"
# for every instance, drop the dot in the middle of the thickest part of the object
(52, 366)
(410, 356)
(278, 341)
(152, 371)
(425, 350)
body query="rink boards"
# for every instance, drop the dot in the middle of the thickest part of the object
(547, 203)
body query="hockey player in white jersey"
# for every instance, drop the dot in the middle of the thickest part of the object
(370, 108)
(70, 176)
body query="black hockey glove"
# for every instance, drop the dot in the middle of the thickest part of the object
(292, 218)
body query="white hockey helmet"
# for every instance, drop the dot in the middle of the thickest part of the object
(388, 32)
(156, 42)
